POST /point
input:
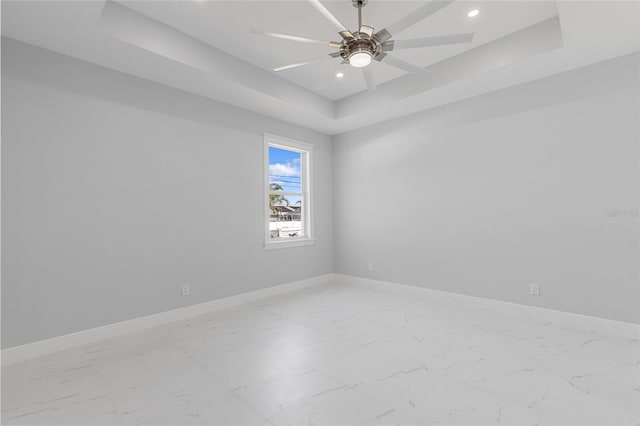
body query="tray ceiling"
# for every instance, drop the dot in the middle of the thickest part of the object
(207, 48)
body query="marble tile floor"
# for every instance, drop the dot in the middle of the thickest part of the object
(336, 354)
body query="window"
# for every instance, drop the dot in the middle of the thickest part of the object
(288, 196)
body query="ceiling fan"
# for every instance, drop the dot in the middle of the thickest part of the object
(359, 48)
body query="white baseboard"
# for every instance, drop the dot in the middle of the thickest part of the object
(561, 318)
(68, 341)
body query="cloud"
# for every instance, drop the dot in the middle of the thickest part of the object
(284, 169)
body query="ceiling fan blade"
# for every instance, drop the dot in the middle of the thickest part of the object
(404, 65)
(288, 37)
(418, 15)
(310, 61)
(346, 35)
(368, 78)
(379, 57)
(328, 15)
(382, 35)
(428, 41)
(365, 29)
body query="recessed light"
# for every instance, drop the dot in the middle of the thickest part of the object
(473, 13)
(339, 75)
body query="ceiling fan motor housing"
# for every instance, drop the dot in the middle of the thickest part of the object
(361, 43)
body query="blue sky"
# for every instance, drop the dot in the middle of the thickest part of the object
(284, 169)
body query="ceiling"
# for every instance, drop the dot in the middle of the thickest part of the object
(208, 48)
(198, 19)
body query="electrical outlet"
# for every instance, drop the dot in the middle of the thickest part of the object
(185, 290)
(534, 289)
(369, 266)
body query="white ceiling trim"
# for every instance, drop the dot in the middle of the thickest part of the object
(536, 39)
(141, 31)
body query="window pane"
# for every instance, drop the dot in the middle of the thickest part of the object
(285, 170)
(285, 219)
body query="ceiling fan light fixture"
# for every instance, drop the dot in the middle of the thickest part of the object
(360, 58)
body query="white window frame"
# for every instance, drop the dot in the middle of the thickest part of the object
(306, 178)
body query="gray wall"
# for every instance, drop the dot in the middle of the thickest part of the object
(116, 191)
(536, 183)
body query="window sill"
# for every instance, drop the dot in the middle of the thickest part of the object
(289, 243)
